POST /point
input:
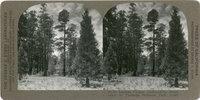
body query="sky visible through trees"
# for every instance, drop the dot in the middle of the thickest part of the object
(75, 17)
(164, 11)
(142, 9)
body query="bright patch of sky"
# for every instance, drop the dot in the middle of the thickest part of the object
(75, 16)
(164, 12)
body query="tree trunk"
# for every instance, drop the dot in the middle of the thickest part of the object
(69, 62)
(159, 72)
(130, 62)
(44, 61)
(30, 71)
(127, 67)
(116, 71)
(176, 82)
(38, 64)
(118, 64)
(31, 66)
(153, 53)
(30, 63)
(48, 48)
(45, 66)
(70, 54)
(47, 60)
(87, 82)
(109, 76)
(64, 53)
(134, 58)
(41, 65)
(120, 69)
(28, 59)
(136, 66)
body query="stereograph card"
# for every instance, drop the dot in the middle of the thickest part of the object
(100, 50)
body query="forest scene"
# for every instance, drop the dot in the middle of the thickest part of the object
(135, 46)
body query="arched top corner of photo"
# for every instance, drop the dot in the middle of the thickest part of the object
(75, 9)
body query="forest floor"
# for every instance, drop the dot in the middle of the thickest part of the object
(143, 83)
(121, 83)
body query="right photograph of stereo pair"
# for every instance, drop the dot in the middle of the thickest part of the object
(145, 47)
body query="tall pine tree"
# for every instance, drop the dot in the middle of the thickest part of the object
(109, 28)
(119, 39)
(160, 46)
(63, 18)
(31, 30)
(176, 51)
(46, 31)
(136, 35)
(110, 61)
(152, 19)
(71, 43)
(22, 35)
(87, 51)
